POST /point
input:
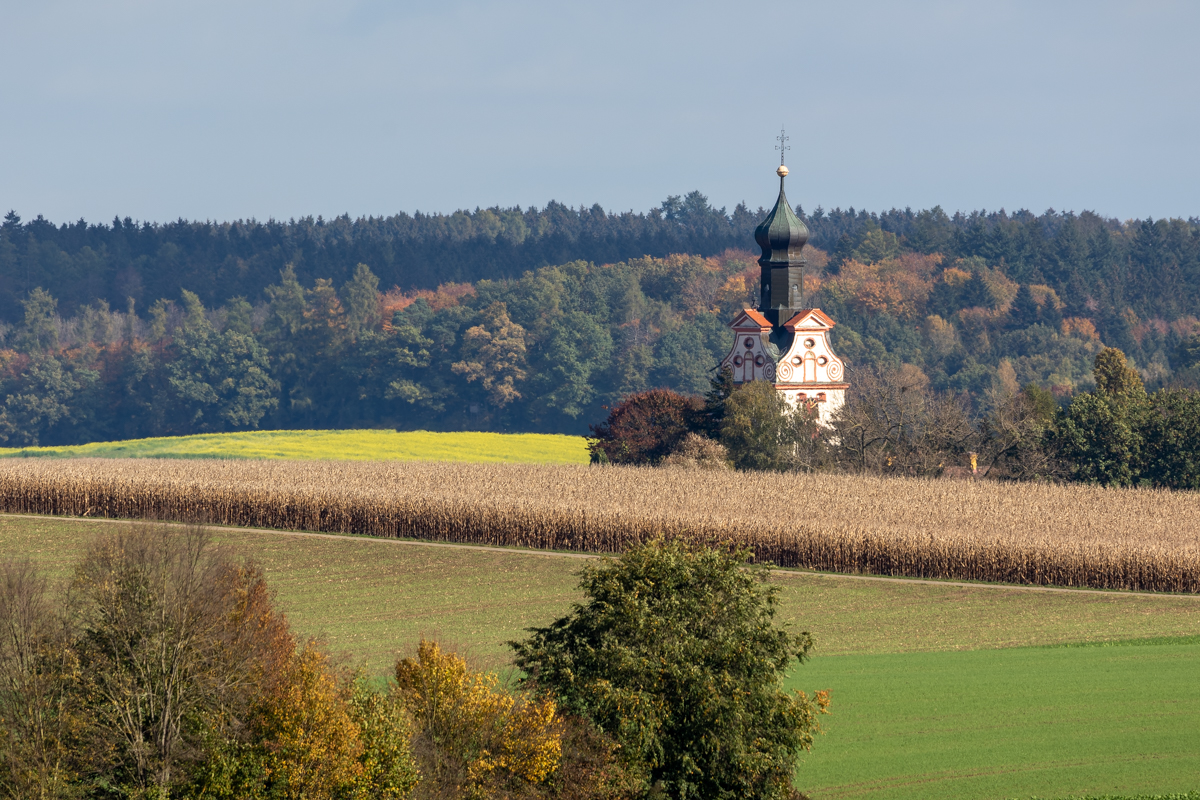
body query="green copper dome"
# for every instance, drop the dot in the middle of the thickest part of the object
(781, 235)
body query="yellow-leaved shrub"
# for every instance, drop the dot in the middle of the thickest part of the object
(312, 743)
(474, 738)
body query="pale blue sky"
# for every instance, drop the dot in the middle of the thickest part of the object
(221, 110)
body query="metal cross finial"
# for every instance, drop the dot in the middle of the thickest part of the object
(782, 138)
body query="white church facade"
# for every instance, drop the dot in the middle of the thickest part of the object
(781, 340)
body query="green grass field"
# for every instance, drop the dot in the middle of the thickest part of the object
(938, 691)
(360, 445)
(1007, 723)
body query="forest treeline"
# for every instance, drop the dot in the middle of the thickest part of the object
(1093, 263)
(84, 262)
(1000, 299)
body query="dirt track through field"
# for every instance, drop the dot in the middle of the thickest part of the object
(589, 556)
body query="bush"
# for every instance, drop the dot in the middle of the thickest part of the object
(754, 428)
(644, 428)
(474, 739)
(698, 452)
(675, 654)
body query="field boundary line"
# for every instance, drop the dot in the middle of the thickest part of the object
(782, 571)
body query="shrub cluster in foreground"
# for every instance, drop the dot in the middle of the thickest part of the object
(894, 423)
(164, 670)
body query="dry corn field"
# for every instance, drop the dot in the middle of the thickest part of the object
(1032, 534)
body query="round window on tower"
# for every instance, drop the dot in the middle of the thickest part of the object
(810, 343)
(759, 361)
(822, 361)
(737, 361)
(797, 360)
(749, 343)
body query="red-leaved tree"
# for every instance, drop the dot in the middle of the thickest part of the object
(644, 428)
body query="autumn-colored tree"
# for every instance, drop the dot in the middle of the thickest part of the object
(476, 740)
(312, 743)
(312, 733)
(1116, 379)
(494, 355)
(899, 286)
(168, 672)
(389, 770)
(644, 428)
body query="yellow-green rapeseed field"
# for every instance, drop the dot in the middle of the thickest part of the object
(354, 445)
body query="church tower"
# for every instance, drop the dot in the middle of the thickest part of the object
(781, 340)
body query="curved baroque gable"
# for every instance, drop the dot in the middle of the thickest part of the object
(751, 357)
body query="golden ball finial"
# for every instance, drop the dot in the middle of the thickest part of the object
(781, 171)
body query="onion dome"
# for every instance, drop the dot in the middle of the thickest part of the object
(782, 235)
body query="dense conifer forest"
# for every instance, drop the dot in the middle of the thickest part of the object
(537, 319)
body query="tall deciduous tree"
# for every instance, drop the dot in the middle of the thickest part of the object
(574, 354)
(41, 709)
(176, 638)
(892, 422)
(50, 393)
(1171, 434)
(1101, 432)
(675, 652)
(221, 379)
(755, 427)
(494, 355)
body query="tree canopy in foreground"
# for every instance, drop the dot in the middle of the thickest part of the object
(676, 654)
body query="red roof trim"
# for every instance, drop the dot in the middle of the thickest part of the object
(754, 317)
(820, 316)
